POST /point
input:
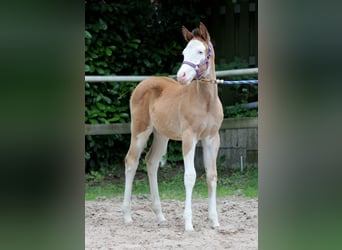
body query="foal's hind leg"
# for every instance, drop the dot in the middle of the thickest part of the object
(210, 150)
(138, 143)
(153, 158)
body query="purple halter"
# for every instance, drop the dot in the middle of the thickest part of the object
(198, 66)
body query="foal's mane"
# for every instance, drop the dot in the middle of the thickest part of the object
(197, 34)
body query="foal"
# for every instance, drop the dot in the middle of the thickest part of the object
(189, 112)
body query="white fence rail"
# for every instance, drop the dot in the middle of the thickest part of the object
(115, 78)
(245, 129)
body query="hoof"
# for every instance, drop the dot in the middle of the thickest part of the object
(128, 220)
(215, 225)
(189, 228)
(161, 219)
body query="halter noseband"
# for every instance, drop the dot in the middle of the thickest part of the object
(197, 67)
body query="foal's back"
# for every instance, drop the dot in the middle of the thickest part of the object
(170, 107)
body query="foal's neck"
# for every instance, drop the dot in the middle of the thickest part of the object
(209, 89)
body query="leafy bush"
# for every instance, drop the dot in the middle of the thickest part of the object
(239, 111)
(128, 38)
(240, 93)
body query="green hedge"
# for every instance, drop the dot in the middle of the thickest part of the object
(128, 38)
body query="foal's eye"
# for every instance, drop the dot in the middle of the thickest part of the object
(200, 52)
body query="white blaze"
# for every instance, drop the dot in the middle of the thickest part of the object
(194, 52)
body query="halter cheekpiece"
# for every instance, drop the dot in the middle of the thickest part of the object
(197, 67)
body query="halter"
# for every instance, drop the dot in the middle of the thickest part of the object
(197, 67)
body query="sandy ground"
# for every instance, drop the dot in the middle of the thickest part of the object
(105, 228)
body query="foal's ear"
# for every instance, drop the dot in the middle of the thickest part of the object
(204, 32)
(187, 34)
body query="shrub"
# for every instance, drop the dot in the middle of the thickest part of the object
(127, 38)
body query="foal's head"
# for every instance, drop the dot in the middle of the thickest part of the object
(197, 55)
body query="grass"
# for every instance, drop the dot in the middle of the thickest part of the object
(171, 184)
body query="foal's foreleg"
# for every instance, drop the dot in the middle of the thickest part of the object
(153, 158)
(138, 143)
(189, 147)
(210, 150)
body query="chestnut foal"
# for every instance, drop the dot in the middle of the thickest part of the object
(188, 110)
